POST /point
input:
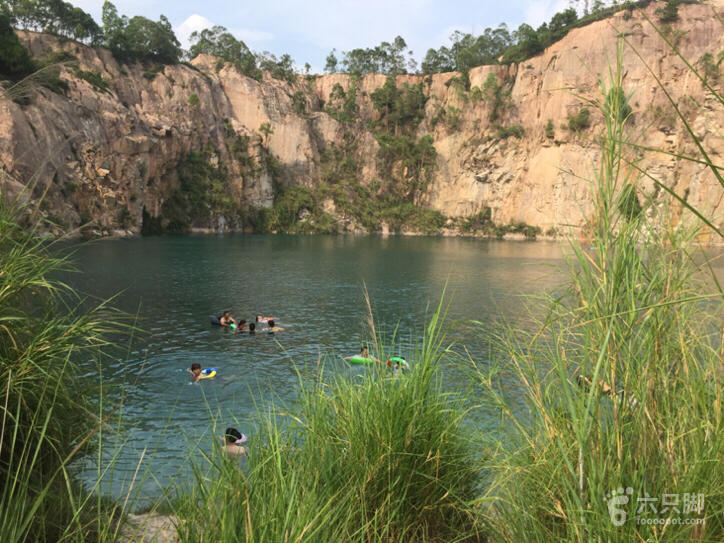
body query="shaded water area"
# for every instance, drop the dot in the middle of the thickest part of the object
(314, 286)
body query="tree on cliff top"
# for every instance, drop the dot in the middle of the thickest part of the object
(219, 42)
(15, 61)
(468, 51)
(53, 17)
(138, 38)
(386, 58)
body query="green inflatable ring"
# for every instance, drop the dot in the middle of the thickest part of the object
(399, 360)
(361, 360)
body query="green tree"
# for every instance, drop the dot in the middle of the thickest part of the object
(386, 58)
(266, 131)
(331, 63)
(279, 68)
(139, 39)
(497, 96)
(15, 61)
(218, 42)
(54, 17)
(670, 12)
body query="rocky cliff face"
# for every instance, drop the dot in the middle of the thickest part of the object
(112, 155)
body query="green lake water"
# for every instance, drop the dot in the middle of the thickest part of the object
(314, 286)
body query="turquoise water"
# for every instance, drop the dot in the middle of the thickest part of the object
(314, 286)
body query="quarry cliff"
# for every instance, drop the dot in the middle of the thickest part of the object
(199, 146)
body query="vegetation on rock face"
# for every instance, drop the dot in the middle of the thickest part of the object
(342, 105)
(405, 162)
(201, 195)
(580, 120)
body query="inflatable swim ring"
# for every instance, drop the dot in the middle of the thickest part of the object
(208, 373)
(361, 360)
(232, 326)
(398, 359)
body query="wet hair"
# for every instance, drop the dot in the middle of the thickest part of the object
(195, 366)
(242, 322)
(232, 434)
(227, 313)
(270, 323)
(252, 327)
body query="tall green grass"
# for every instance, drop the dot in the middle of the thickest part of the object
(621, 382)
(46, 420)
(371, 457)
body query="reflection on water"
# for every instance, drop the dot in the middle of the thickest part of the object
(313, 285)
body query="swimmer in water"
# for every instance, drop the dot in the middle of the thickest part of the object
(195, 372)
(233, 442)
(271, 327)
(364, 352)
(252, 328)
(226, 319)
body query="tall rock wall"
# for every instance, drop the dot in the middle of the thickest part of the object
(105, 155)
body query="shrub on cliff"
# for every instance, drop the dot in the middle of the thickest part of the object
(580, 120)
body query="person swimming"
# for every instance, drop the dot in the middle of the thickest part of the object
(252, 328)
(195, 372)
(226, 319)
(234, 441)
(364, 352)
(242, 325)
(271, 327)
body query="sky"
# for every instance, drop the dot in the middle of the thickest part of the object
(309, 30)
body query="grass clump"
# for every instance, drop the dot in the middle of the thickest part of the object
(621, 381)
(366, 458)
(46, 417)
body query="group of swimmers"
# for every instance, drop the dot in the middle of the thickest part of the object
(227, 321)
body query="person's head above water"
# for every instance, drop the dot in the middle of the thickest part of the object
(259, 318)
(227, 314)
(234, 436)
(270, 323)
(252, 328)
(195, 368)
(364, 352)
